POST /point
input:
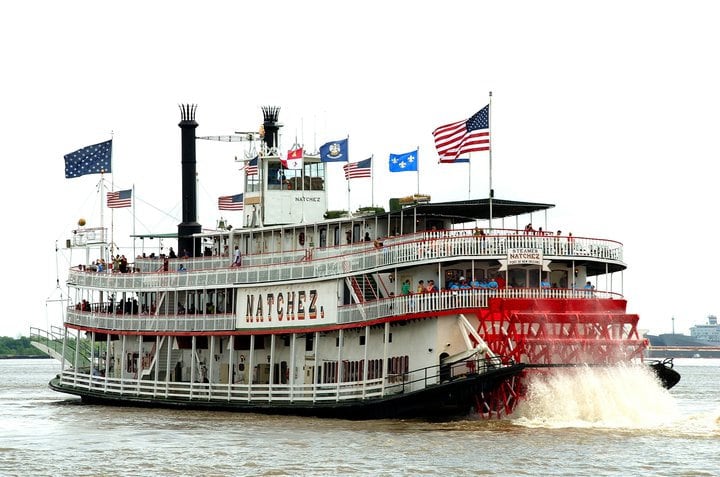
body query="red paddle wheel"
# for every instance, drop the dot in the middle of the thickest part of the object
(555, 332)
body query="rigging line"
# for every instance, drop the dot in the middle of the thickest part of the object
(57, 267)
(207, 194)
(163, 212)
(83, 206)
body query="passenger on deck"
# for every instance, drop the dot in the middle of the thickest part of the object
(237, 260)
(431, 288)
(421, 287)
(405, 289)
(172, 254)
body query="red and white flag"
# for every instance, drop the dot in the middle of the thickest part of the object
(294, 159)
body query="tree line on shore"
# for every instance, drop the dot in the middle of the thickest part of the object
(11, 347)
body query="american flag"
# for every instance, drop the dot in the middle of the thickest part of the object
(119, 199)
(356, 170)
(251, 168)
(93, 159)
(455, 139)
(230, 202)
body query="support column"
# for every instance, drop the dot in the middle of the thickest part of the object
(385, 356)
(339, 375)
(291, 371)
(272, 367)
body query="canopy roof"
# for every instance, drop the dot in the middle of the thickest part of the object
(478, 209)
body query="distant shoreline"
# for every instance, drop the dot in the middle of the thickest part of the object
(25, 356)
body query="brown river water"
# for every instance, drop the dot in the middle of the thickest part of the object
(586, 422)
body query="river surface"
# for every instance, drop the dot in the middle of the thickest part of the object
(590, 422)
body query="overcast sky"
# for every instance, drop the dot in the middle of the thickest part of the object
(606, 109)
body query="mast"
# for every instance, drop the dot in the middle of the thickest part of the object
(189, 225)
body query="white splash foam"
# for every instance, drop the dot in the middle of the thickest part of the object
(623, 396)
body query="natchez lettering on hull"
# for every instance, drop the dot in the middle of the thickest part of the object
(279, 307)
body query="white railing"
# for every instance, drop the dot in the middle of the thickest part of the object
(413, 380)
(217, 392)
(424, 304)
(339, 261)
(129, 322)
(431, 303)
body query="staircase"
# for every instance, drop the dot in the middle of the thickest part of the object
(365, 287)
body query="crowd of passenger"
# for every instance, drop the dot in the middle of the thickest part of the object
(119, 264)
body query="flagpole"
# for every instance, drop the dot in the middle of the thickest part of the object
(469, 176)
(372, 181)
(490, 196)
(102, 198)
(112, 221)
(417, 168)
(101, 185)
(132, 199)
(347, 160)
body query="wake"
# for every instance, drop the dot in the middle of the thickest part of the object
(623, 396)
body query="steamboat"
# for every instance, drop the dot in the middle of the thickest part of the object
(308, 312)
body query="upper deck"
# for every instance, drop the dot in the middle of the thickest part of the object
(599, 256)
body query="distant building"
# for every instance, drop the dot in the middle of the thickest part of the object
(709, 332)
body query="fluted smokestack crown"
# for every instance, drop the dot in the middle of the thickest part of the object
(189, 224)
(187, 113)
(271, 125)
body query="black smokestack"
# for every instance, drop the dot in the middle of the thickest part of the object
(271, 125)
(189, 225)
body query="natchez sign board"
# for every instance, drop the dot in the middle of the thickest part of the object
(287, 306)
